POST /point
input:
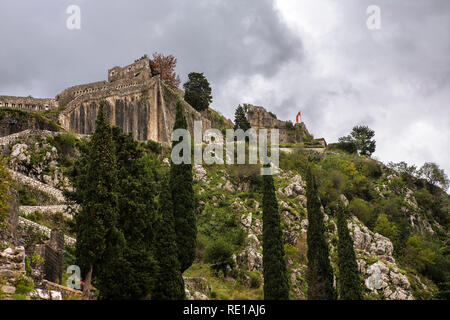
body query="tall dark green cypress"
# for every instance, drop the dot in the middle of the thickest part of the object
(169, 283)
(183, 202)
(99, 242)
(276, 280)
(132, 276)
(349, 281)
(319, 275)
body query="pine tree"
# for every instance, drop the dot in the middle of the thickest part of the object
(349, 281)
(183, 202)
(197, 91)
(240, 119)
(320, 274)
(99, 242)
(169, 283)
(276, 281)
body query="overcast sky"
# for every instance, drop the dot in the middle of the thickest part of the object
(314, 56)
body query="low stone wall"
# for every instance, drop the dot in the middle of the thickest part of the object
(66, 293)
(24, 223)
(45, 209)
(13, 137)
(12, 265)
(5, 141)
(21, 178)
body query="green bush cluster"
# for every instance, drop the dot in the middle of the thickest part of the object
(255, 279)
(219, 253)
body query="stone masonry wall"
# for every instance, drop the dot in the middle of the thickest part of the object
(28, 103)
(146, 109)
(21, 178)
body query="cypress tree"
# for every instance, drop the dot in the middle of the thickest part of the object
(240, 119)
(319, 274)
(169, 283)
(132, 276)
(349, 282)
(99, 242)
(183, 202)
(276, 281)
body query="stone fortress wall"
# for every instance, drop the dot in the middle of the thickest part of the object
(119, 78)
(29, 103)
(140, 68)
(136, 101)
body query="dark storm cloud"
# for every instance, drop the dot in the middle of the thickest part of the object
(224, 39)
(315, 56)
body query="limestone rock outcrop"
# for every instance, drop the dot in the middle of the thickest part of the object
(196, 288)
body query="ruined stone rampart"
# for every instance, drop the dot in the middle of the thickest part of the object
(260, 118)
(28, 103)
(138, 69)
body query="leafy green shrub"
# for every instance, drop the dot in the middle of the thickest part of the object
(397, 185)
(246, 173)
(65, 142)
(255, 279)
(361, 209)
(23, 285)
(154, 146)
(237, 236)
(372, 169)
(219, 253)
(295, 161)
(420, 253)
(18, 296)
(28, 268)
(384, 227)
(349, 147)
(202, 241)
(26, 199)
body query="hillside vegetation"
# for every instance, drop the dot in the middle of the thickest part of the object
(399, 219)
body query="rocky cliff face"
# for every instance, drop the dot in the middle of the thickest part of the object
(14, 121)
(382, 277)
(147, 110)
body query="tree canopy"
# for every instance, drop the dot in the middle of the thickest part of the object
(197, 91)
(164, 66)
(240, 119)
(360, 139)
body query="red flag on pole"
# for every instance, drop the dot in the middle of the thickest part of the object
(299, 116)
